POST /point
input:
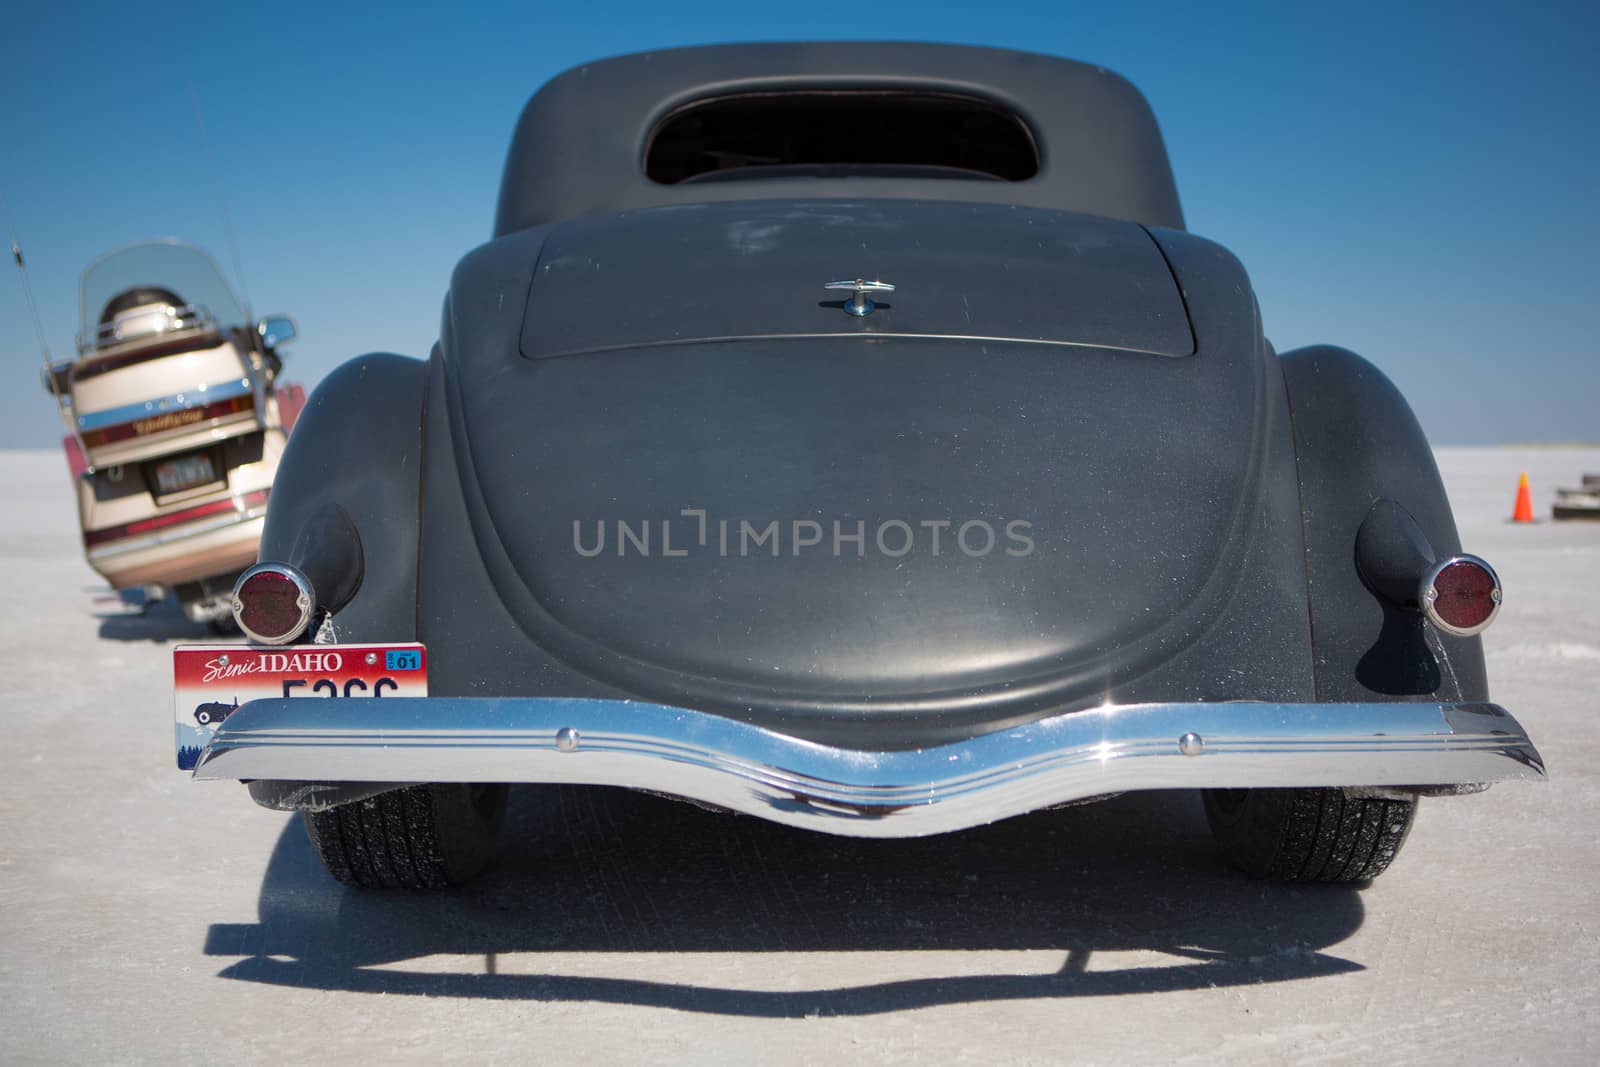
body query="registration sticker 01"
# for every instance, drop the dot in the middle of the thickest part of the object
(210, 682)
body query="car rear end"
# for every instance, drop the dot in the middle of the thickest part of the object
(882, 499)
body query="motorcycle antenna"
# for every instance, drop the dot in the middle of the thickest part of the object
(27, 289)
(216, 187)
(47, 369)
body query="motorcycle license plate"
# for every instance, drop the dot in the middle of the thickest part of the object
(210, 682)
(184, 472)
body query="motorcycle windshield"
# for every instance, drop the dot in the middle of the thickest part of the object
(163, 267)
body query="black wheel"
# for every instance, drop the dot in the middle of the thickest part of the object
(419, 837)
(1308, 835)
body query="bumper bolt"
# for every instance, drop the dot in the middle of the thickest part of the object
(567, 739)
(1191, 744)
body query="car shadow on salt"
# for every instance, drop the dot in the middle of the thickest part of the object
(127, 617)
(586, 870)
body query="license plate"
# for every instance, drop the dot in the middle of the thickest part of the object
(210, 682)
(185, 472)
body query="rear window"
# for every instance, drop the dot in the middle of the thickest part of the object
(841, 133)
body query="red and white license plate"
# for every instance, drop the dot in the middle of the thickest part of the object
(185, 472)
(211, 681)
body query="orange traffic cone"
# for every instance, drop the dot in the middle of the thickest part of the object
(1523, 512)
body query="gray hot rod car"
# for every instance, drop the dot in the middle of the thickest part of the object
(851, 435)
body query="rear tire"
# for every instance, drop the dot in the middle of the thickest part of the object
(1308, 835)
(419, 837)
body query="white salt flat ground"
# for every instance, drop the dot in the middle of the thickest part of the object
(144, 917)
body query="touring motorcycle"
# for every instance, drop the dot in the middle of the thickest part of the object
(176, 424)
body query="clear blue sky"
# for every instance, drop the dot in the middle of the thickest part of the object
(1418, 184)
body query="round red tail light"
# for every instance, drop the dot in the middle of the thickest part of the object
(273, 603)
(1461, 595)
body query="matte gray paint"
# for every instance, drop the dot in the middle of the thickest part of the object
(517, 446)
(356, 447)
(1358, 442)
(1183, 509)
(579, 146)
(705, 272)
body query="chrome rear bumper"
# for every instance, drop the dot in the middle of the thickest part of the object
(745, 768)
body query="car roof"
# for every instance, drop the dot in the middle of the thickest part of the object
(580, 145)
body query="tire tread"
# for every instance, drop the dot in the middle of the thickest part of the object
(419, 837)
(1311, 835)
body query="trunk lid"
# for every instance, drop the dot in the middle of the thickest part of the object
(1018, 475)
(751, 270)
